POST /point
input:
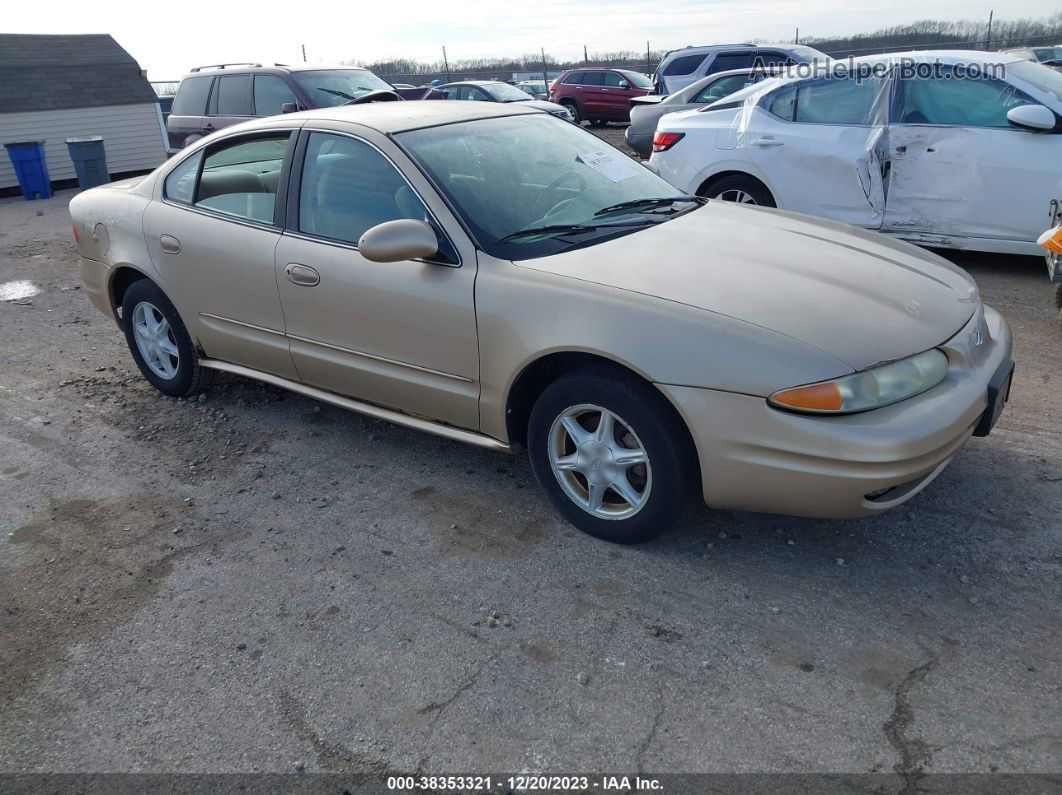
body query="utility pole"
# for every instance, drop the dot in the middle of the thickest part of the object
(446, 64)
(648, 61)
(797, 39)
(988, 36)
(304, 53)
(545, 77)
(586, 58)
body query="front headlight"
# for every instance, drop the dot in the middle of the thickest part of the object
(869, 389)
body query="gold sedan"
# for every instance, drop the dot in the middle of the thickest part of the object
(497, 276)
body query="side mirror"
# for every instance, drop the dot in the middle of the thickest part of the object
(624, 84)
(289, 107)
(395, 241)
(1031, 117)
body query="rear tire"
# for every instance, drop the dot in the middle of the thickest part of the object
(626, 482)
(160, 343)
(739, 189)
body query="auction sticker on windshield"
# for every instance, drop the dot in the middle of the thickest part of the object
(615, 169)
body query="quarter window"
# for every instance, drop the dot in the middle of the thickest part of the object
(180, 183)
(573, 79)
(242, 179)
(270, 94)
(191, 97)
(349, 187)
(968, 102)
(826, 101)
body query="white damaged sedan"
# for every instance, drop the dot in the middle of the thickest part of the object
(947, 149)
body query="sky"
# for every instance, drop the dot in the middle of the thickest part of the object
(187, 34)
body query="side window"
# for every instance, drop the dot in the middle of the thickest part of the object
(767, 58)
(233, 96)
(573, 79)
(593, 79)
(348, 187)
(478, 94)
(686, 65)
(967, 102)
(270, 94)
(241, 178)
(613, 80)
(825, 101)
(191, 97)
(180, 183)
(725, 61)
(723, 87)
(456, 92)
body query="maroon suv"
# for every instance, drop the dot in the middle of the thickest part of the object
(599, 95)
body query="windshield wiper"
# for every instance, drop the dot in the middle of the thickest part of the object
(335, 93)
(635, 204)
(545, 230)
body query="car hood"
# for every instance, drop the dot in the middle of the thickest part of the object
(859, 296)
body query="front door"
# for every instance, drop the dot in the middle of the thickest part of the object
(959, 168)
(399, 334)
(212, 239)
(819, 145)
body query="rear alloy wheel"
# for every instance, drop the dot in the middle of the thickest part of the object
(160, 343)
(611, 455)
(740, 190)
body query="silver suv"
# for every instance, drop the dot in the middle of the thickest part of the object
(679, 68)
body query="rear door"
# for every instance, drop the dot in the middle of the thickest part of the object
(959, 168)
(230, 102)
(682, 71)
(819, 146)
(590, 95)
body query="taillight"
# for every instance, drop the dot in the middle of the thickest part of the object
(75, 234)
(663, 141)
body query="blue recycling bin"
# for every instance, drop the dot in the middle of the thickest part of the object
(27, 157)
(90, 160)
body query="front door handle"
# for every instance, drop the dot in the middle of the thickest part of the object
(302, 275)
(766, 141)
(169, 244)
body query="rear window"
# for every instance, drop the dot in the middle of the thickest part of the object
(593, 79)
(234, 96)
(686, 65)
(191, 97)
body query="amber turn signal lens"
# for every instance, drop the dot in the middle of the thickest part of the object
(1051, 240)
(816, 397)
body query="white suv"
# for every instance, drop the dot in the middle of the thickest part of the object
(679, 68)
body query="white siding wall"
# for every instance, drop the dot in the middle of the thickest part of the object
(132, 135)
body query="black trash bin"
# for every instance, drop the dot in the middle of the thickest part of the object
(90, 160)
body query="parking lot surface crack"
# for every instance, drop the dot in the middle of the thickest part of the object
(914, 754)
(653, 729)
(438, 706)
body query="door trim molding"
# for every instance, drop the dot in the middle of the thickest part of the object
(405, 420)
(241, 323)
(376, 358)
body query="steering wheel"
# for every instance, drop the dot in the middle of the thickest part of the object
(552, 187)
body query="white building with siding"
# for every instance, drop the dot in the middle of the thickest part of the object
(58, 87)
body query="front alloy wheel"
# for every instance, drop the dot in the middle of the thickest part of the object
(611, 454)
(599, 462)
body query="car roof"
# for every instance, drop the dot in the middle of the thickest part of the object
(271, 68)
(395, 117)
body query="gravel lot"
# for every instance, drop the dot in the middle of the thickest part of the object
(254, 581)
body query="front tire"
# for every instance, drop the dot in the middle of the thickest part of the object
(160, 343)
(573, 108)
(740, 190)
(611, 455)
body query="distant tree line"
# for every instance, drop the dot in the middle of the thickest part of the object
(925, 34)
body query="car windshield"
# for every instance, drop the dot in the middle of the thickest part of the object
(636, 79)
(328, 87)
(503, 92)
(563, 178)
(1037, 76)
(1048, 53)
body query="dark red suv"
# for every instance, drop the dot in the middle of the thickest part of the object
(599, 95)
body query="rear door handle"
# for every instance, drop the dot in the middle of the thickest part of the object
(766, 141)
(302, 275)
(170, 244)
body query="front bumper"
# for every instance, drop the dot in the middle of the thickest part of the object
(756, 458)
